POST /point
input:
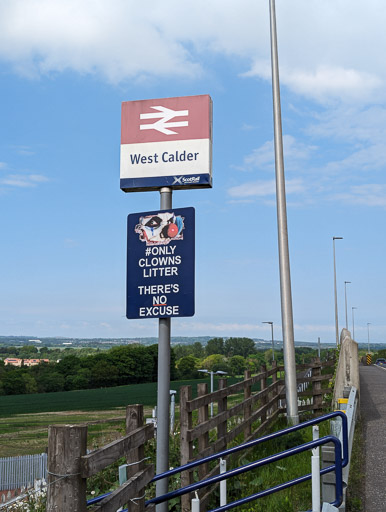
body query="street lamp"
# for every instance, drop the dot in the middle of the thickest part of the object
(368, 337)
(219, 372)
(345, 300)
(273, 346)
(353, 327)
(281, 208)
(336, 300)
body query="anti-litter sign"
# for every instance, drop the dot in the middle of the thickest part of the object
(160, 263)
(166, 142)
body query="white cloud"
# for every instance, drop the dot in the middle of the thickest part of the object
(326, 49)
(22, 180)
(324, 84)
(368, 195)
(264, 156)
(117, 39)
(23, 150)
(265, 188)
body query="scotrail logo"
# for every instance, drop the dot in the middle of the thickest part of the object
(182, 180)
(164, 123)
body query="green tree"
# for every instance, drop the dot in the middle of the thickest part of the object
(214, 363)
(104, 374)
(215, 346)
(182, 350)
(198, 350)
(50, 382)
(13, 383)
(30, 383)
(187, 367)
(237, 365)
(28, 351)
(239, 347)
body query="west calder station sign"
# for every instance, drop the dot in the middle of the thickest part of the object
(166, 143)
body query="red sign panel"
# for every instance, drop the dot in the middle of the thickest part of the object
(166, 119)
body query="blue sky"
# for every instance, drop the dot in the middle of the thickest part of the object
(65, 68)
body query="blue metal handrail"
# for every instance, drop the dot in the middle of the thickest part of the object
(343, 461)
(253, 465)
(268, 437)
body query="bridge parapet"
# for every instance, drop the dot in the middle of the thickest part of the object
(347, 371)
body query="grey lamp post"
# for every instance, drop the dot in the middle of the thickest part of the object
(353, 327)
(335, 294)
(368, 337)
(345, 300)
(273, 344)
(211, 373)
(284, 263)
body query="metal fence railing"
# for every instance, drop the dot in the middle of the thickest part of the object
(18, 472)
(341, 460)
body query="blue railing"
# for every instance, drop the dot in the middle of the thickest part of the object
(340, 462)
(337, 467)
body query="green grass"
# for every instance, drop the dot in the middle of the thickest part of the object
(89, 399)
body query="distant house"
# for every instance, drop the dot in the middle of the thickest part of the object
(34, 362)
(14, 361)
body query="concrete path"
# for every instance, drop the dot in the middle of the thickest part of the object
(373, 412)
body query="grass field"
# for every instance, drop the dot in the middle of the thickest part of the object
(89, 399)
(24, 419)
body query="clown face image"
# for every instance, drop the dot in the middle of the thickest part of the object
(160, 229)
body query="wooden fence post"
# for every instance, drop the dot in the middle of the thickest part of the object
(134, 420)
(66, 490)
(317, 396)
(275, 389)
(263, 385)
(203, 441)
(185, 443)
(248, 408)
(222, 407)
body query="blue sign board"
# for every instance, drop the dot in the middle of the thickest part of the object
(160, 263)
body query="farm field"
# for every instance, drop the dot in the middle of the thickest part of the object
(24, 419)
(25, 434)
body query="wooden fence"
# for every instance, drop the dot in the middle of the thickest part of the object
(244, 411)
(69, 466)
(245, 419)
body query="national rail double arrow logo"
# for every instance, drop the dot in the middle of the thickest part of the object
(164, 123)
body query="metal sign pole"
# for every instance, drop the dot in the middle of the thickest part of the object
(163, 393)
(285, 278)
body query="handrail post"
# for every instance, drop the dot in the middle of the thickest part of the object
(223, 483)
(315, 469)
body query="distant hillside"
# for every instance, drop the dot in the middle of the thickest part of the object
(105, 343)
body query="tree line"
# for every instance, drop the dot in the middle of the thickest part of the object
(71, 369)
(132, 364)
